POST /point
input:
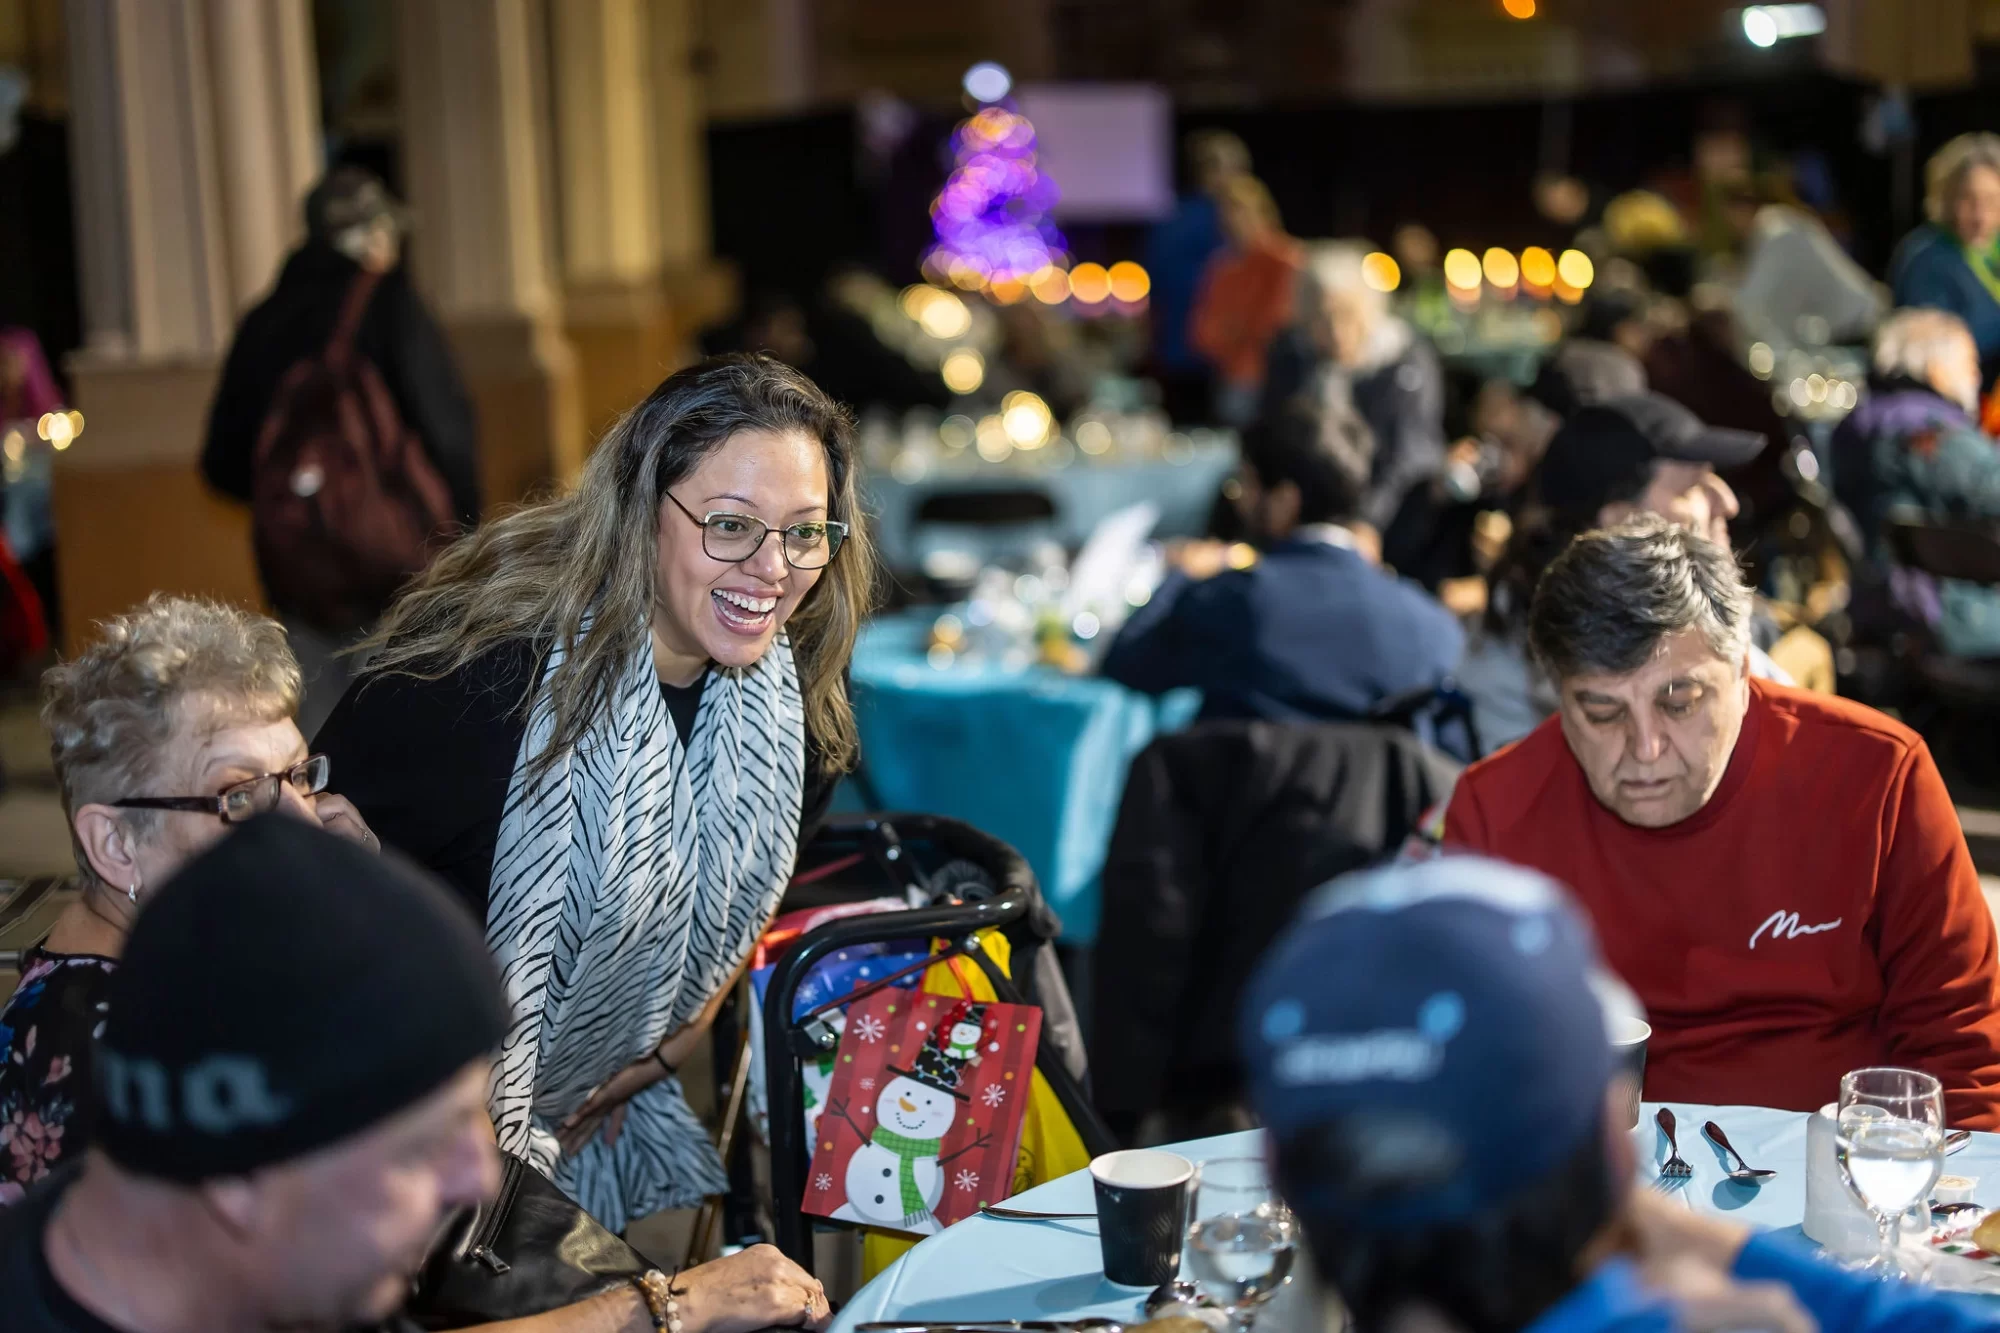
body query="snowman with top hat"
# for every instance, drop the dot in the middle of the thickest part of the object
(896, 1178)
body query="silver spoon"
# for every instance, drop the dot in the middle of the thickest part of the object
(1744, 1172)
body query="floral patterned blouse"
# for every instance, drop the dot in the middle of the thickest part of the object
(46, 1032)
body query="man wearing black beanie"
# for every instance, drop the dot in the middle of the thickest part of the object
(290, 1100)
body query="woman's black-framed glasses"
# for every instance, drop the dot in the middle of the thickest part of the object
(241, 800)
(734, 538)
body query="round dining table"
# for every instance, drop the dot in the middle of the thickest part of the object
(988, 1268)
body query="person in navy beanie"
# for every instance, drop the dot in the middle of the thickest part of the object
(1428, 1048)
(288, 1105)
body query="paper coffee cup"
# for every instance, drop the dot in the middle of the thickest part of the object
(1142, 1214)
(1629, 1038)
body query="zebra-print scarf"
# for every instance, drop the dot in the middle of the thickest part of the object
(629, 882)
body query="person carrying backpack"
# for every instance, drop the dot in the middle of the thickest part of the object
(343, 423)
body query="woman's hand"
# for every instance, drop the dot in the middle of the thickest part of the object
(758, 1288)
(605, 1108)
(338, 815)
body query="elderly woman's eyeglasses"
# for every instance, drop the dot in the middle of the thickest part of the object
(241, 800)
(734, 538)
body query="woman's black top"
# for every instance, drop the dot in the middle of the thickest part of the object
(428, 762)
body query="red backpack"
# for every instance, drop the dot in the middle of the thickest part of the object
(345, 504)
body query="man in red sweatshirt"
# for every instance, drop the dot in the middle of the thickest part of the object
(1780, 875)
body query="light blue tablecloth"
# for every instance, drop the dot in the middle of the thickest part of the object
(1084, 493)
(984, 1268)
(1034, 757)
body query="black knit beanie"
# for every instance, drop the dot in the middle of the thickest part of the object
(288, 988)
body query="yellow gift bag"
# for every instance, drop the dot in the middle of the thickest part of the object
(1050, 1145)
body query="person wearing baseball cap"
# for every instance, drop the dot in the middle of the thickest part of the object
(289, 1103)
(1643, 454)
(1429, 1051)
(1611, 460)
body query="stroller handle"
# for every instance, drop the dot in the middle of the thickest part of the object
(1016, 901)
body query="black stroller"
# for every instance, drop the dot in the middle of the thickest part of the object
(958, 882)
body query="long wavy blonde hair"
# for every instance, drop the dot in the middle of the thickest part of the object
(535, 574)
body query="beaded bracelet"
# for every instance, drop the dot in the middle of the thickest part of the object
(657, 1290)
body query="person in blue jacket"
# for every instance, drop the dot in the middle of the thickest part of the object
(1314, 629)
(1428, 1049)
(1952, 262)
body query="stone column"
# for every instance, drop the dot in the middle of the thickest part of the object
(615, 308)
(194, 137)
(476, 167)
(700, 290)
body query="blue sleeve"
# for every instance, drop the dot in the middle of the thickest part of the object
(1170, 642)
(1844, 1302)
(1927, 278)
(1958, 475)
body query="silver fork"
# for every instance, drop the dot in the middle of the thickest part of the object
(1674, 1172)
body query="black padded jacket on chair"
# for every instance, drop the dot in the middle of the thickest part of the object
(1223, 831)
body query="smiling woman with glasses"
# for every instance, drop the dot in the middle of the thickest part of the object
(627, 707)
(179, 696)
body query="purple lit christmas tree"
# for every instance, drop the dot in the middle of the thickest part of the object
(992, 217)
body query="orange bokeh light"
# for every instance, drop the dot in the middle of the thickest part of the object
(1519, 9)
(1129, 282)
(1089, 283)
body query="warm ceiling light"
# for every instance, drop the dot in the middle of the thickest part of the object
(1538, 267)
(1500, 267)
(1461, 269)
(1575, 269)
(1381, 272)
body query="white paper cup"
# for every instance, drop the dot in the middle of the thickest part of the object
(1629, 1039)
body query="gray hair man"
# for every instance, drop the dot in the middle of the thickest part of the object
(1779, 874)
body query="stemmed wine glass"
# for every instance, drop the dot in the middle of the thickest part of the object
(1890, 1147)
(1242, 1242)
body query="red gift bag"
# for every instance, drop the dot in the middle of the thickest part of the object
(923, 1117)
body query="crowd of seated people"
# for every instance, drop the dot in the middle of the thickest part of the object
(681, 619)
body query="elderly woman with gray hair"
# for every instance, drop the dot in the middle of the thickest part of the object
(174, 724)
(1347, 348)
(1913, 450)
(1952, 262)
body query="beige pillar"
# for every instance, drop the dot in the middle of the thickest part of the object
(476, 165)
(760, 57)
(700, 289)
(194, 137)
(615, 309)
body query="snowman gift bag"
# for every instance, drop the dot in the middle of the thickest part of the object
(923, 1117)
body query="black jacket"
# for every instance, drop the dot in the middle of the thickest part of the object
(1223, 831)
(1402, 401)
(428, 762)
(397, 336)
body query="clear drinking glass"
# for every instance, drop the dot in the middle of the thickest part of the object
(1890, 1147)
(1243, 1240)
